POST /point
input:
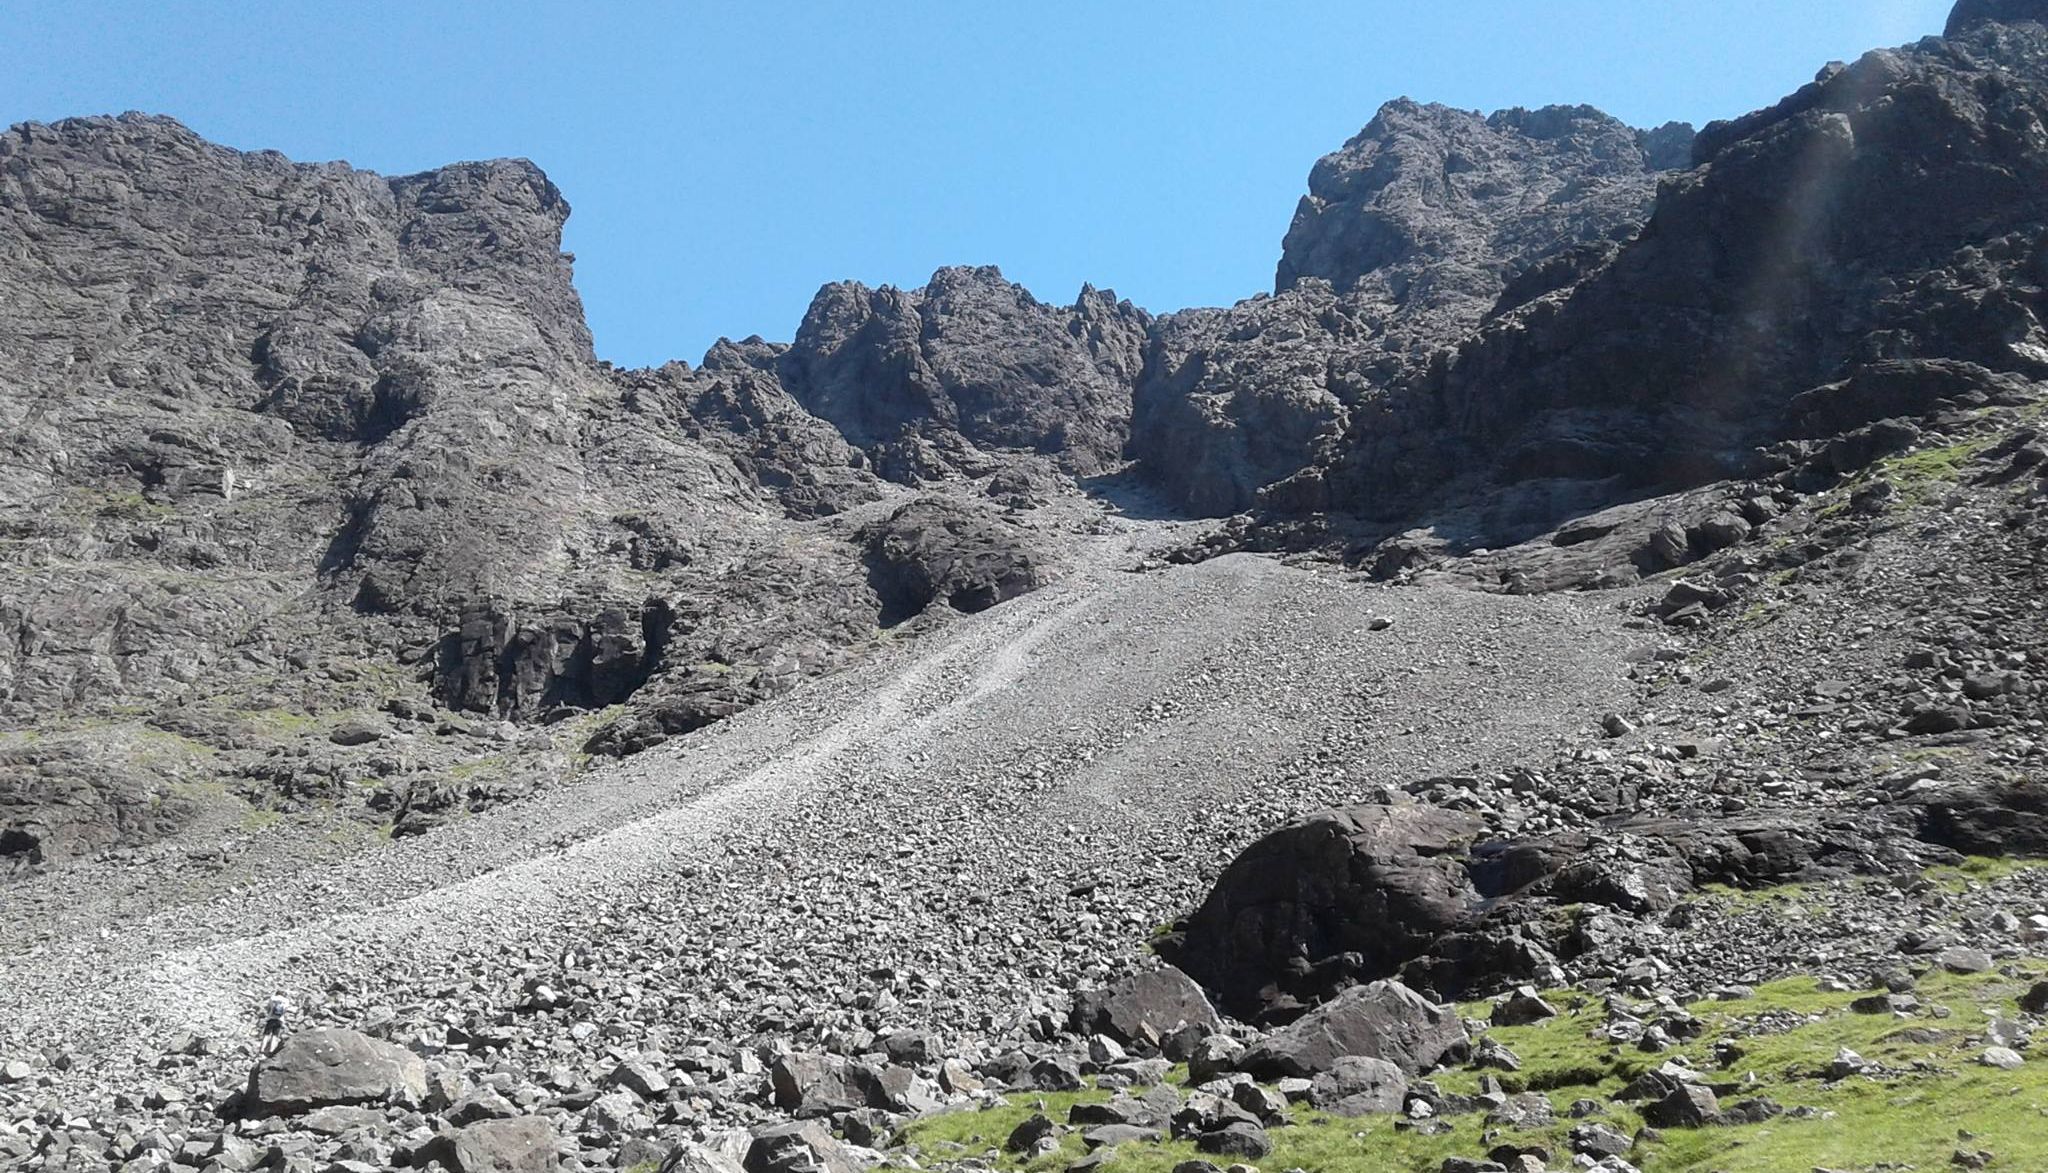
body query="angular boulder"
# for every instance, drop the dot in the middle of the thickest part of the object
(1686, 1106)
(807, 1085)
(1359, 1086)
(317, 1068)
(1145, 1008)
(1986, 818)
(1384, 1020)
(525, 1144)
(1420, 893)
(803, 1147)
(940, 550)
(691, 1157)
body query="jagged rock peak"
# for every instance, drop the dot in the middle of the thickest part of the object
(1419, 178)
(1968, 14)
(167, 139)
(1915, 194)
(260, 415)
(1426, 223)
(971, 360)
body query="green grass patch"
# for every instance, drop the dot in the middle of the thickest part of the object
(1936, 753)
(125, 506)
(199, 788)
(1752, 899)
(1982, 869)
(1317, 1142)
(1916, 475)
(1930, 466)
(476, 769)
(281, 722)
(1929, 1089)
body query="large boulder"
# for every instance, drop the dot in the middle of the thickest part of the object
(801, 1147)
(941, 550)
(1424, 894)
(1986, 818)
(1384, 1020)
(1356, 1085)
(1356, 892)
(1143, 1009)
(317, 1068)
(524, 1144)
(807, 1084)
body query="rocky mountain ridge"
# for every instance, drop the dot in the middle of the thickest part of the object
(1660, 672)
(301, 450)
(1858, 251)
(519, 533)
(1483, 328)
(1409, 237)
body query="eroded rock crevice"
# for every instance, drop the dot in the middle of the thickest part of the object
(525, 667)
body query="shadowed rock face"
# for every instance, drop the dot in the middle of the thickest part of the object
(921, 378)
(1376, 883)
(1409, 237)
(1969, 14)
(1884, 217)
(1370, 892)
(937, 550)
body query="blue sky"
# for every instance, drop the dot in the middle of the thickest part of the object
(725, 159)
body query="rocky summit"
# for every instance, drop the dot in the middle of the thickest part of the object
(1560, 681)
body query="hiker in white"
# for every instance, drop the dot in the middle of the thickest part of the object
(272, 1034)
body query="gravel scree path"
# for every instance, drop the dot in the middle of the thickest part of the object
(984, 814)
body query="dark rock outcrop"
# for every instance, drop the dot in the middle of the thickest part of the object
(1357, 891)
(1409, 237)
(1986, 818)
(735, 403)
(284, 442)
(1969, 14)
(924, 379)
(1373, 891)
(1445, 201)
(1870, 237)
(942, 550)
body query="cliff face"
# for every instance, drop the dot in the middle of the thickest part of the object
(1432, 205)
(1865, 249)
(923, 379)
(1408, 238)
(309, 480)
(288, 445)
